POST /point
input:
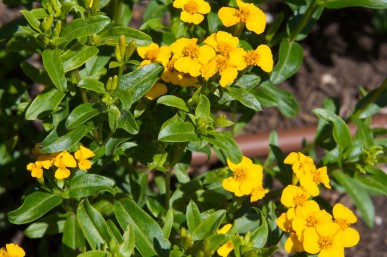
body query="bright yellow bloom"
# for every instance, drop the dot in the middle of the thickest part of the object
(225, 249)
(249, 14)
(258, 193)
(294, 196)
(192, 10)
(189, 56)
(261, 57)
(284, 222)
(345, 217)
(36, 169)
(222, 42)
(309, 216)
(157, 90)
(47, 160)
(324, 239)
(82, 155)
(247, 176)
(153, 53)
(62, 161)
(12, 250)
(175, 77)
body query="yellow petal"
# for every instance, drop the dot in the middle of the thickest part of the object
(310, 243)
(84, 164)
(256, 21)
(206, 53)
(226, 15)
(204, 7)
(224, 229)
(62, 173)
(157, 90)
(350, 237)
(228, 76)
(179, 3)
(209, 69)
(265, 58)
(292, 158)
(344, 213)
(293, 245)
(225, 249)
(195, 18)
(14, 250)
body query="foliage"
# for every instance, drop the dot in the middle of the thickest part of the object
(108, 121)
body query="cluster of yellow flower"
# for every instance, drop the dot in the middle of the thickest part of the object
(218, 54)
(12, 250)
(247, 180)
(61, 160)
(311, 229)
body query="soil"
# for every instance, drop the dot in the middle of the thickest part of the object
(343, 53)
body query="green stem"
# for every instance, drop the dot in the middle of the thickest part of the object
(304, 20)
(238, 29)
(167, 187)
(117, 11)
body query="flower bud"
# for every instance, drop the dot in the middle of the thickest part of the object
(117, 53)
(129, 50)
(122, 44)
(114, 83)
(57, 29)
(46, 23)
(109, 84)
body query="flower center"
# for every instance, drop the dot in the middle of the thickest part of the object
(221, 63)
(242, 14)
(239, 174)
(224, 49)
(191, 7)
(251, 57)
(191, 50)
(311, 221)
(299, 199)
(151, 54)
(325, 242)
(342, 223)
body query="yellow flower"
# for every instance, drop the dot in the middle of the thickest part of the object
(36, 169)
(12, 250)
(154, 53)
(324, 239)
(62, 161)
(258, 193)
(225, 249)
(175, 77)
(301, 164)
(247, 176)
(222, 42)
(82, 155)
(284, 222)
(261, 57)
(192, 10)
(249, 14)
(157, 90)
(47, 160)
(345, 217)
(294, 196)
(309, 216)
(189, 56)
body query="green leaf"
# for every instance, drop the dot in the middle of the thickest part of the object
(148, 234)
(77, 55)
(81, 114)
(337, 4)
(140, 81)
(193, 216)
(127, 122)
(34, 206)
(127, 247)
(167, 228)
(209, 225)
(68, 140)
(32, 20)
(37, 75)
(90, 184)
(341, 133)
(110, 36)
(46, 101)
(203, 109)
(113, 116)
(290, 60)
(259, 235)
(248, 81)
(227, 144)
(94, 253)
(54, 67)
(173, 101)
(92, 85)
(245, 98)
(178, 132)
(47, 225)
(85, 27)
(358, 194)
(375, 180)
(93, 225)
(72, 238)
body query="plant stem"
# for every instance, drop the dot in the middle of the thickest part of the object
(304, 20)
(167, 187)
(117, 11)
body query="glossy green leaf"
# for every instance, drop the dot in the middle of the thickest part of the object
(203, 109)
(167, 228)
(45, 102)
(149, 238)
(259, 235)
(72, 238)
(375, 180)
(47, 225)
(140, 81)
(245, 98)
(127, 122)
(81, 114)
(110, 36)
(113, 116)
(290, 60)
(92, 85)
(94, 253)
(93, 225)
(248, 81)
(34, 206)
(337, 4)
(32, 20)
(95, 65)
(359, 196)
(84, 27)
(193, 216)
(90, 184)
(341, 133)
(215, 241)
(69, 139)
(54, 67)
(178, 132)
(209, 225)
(127, 247)
(173, 101)
(227, 144)
(77, 55)
(114, 231)
(37, 75)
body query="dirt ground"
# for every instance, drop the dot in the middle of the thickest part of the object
(343, 53)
